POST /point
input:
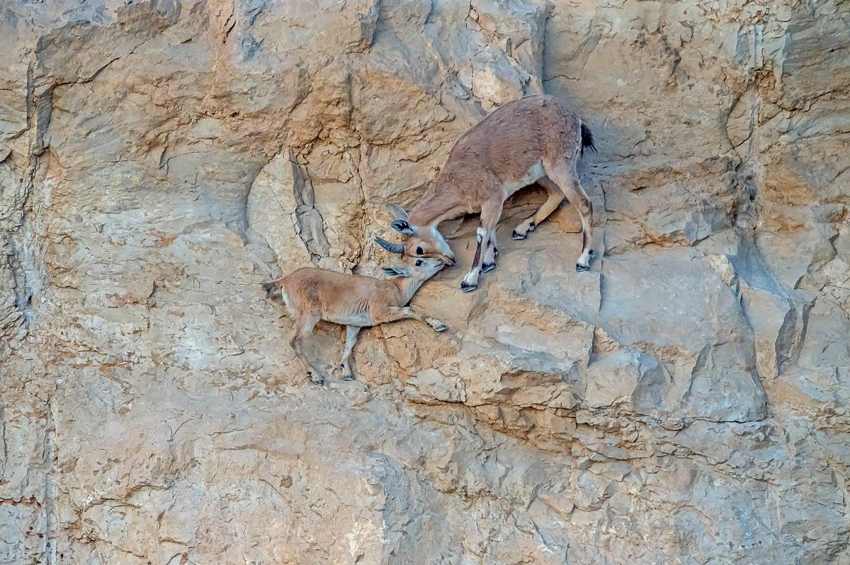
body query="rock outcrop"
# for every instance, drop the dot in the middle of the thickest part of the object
(683, 402)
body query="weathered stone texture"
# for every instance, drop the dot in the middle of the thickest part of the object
(683, 402)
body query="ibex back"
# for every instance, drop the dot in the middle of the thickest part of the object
(532, 139)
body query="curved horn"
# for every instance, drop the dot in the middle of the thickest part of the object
(391, 247)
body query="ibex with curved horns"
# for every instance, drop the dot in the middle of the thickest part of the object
(532, 139)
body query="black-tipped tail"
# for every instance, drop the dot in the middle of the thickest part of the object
(586, 139)
(270, 288)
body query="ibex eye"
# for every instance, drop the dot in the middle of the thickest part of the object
(419, 262)
(419, 250)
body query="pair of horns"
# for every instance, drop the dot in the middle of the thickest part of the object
(391, 247)
(399, 224)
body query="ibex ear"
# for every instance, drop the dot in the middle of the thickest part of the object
(394, 272)
(402, 227)
(397, 211)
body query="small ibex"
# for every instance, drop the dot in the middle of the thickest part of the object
(531, 139)
(354, 301)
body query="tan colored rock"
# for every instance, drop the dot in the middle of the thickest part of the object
(278, 212)
(684, 402)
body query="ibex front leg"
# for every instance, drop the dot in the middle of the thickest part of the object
(485, 237)
(351, 333)
(394, 314)
(489, 261)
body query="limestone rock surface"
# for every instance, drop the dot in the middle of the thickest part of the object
(683, 402)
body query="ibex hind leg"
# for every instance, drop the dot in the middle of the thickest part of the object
(564, 175)
(303, 328)
(555, 197)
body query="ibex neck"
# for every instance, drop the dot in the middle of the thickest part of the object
(407, 287)
(437, 204)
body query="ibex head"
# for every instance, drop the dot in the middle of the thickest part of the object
(418, 241)
(416, 268)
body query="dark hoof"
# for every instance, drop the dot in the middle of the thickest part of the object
(487, 267)
(582, 268)
(348, 377)
(318, 382)
(441, 328)
(468, 287)
(518, 236)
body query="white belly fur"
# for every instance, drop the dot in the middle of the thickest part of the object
(360, 320)
(534, 173)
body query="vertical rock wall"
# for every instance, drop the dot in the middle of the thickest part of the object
(684, 402)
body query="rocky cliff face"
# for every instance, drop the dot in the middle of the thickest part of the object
(684, 402)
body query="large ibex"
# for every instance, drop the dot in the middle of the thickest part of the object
(532, 139)
(355, 301)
